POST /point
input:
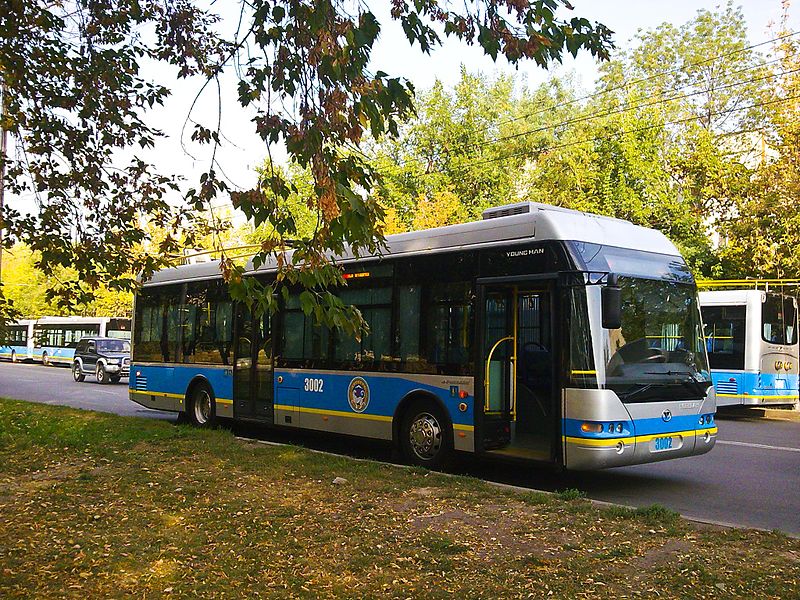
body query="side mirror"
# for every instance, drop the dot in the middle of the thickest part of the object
(611, 300)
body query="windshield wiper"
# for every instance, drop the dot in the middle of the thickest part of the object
(643, 387)
(667, 373)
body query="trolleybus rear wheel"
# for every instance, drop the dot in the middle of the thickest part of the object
(14, 356)
(427, 436)
(202, 411)
(45, 359)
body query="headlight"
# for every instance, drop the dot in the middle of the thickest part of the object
(587, 427)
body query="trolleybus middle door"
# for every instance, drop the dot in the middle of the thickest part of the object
(253, 373)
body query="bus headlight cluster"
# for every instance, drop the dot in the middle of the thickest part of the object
(706, 419)
(589, 427)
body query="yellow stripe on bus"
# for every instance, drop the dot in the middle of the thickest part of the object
(171, 395)
(609, 442)
(333, 413)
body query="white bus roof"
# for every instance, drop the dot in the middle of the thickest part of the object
(73, 320)
(502, 226)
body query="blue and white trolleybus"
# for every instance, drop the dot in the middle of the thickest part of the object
(17, 343)
(538, 333)
(752, 346)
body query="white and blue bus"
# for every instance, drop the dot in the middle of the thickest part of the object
(538, 333)
(52, 340)
(55, 338)
(17, 343)
(752, 344)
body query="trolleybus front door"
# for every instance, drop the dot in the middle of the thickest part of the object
(518, 372)
(253, 371)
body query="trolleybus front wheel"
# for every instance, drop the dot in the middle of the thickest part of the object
(427, 436)
(202, 410)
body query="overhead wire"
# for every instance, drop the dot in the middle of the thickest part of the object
(625, 84)
(627, 132)
(628, 108)
(447, 151)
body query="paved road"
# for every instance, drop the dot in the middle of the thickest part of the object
(752, 477)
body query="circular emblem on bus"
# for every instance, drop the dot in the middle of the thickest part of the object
(358, 394)
(666, 416)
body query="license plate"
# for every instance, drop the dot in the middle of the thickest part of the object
(662, 444)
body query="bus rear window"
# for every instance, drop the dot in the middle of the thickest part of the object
(779, 320)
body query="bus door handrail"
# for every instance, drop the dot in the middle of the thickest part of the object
(486, 373)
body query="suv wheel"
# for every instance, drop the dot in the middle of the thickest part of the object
(77, 373)
(45, 359)
(100, 373)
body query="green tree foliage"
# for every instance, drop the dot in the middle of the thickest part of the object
(659, 141)
(27, 287)
(78, 97)
(762, 233)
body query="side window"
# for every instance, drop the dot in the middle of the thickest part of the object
(92, 349)
(449, 326)
(207, 324)
(301, 338)
(293, 326)
(157, 322)
(148, 327)
(407, 325)
(375, 304)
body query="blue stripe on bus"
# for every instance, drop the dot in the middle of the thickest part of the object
(572, 428)
(59, 354)
(755, 384)
(640, 427)
(22, 351)
(175, 379)
(384, 393)
(657, 425)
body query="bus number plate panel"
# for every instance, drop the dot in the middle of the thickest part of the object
(311, 384)
(663, 444)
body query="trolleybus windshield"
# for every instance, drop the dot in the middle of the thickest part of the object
(659, 352)
(660, 342)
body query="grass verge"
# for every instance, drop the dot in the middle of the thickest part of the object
(95, 505)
